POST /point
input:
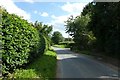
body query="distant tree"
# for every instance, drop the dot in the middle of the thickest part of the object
(68, 39)
(57, 37)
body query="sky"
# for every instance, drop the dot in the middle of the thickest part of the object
(51, 12)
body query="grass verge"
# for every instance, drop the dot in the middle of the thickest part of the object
(42, 68)
(60, 46)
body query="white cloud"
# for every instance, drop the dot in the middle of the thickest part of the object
(59, 19)
(35, 12)
(30, 1)
(44, 14)
(58, 22)
(12, 8)
(73, 7)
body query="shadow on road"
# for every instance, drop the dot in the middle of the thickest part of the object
(79, 66)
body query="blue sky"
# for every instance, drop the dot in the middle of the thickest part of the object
(51, 13)
(38, 8)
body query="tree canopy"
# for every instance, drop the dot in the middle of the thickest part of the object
(98, 26)
(57, 37)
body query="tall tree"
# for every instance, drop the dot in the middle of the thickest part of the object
(105, 25)
(88, 9)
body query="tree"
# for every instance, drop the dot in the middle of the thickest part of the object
(45, 31)
(99, 23)
(77, 28)
(88, 9)
(105, 24)
(57, 37)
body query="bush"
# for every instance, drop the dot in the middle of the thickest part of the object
(19, 38)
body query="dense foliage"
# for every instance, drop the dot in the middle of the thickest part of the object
(98, 26)
(105, 24)
(22, 41)
(19, 38)
(45, 32)
(57, 37)
(77, 28)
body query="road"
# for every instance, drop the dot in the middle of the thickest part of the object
(73, 65)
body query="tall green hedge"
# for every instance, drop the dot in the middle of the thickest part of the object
(19, 38)
(38, 51)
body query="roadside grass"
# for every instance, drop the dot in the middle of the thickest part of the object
(60, 46)
(43, 68)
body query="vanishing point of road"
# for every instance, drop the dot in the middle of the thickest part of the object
(73, 65)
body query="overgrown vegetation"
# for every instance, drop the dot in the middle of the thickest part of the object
(22, 42)
(42, 68)
(19, 38)
(97, 28)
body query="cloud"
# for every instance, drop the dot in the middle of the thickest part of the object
(35, 12)
(12, 8)
(30, 1)
(58, 22)
(59, 19)
(73, 7)
(44, 14)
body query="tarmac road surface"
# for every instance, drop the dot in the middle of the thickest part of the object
(73, 65)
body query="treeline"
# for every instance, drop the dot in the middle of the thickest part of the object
(22, 41)
(97, 28)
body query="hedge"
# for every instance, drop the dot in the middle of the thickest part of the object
(40, 50)
(19, 39)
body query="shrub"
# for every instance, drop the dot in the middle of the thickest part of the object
(19, 38)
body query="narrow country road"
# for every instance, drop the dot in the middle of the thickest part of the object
(73, 65)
